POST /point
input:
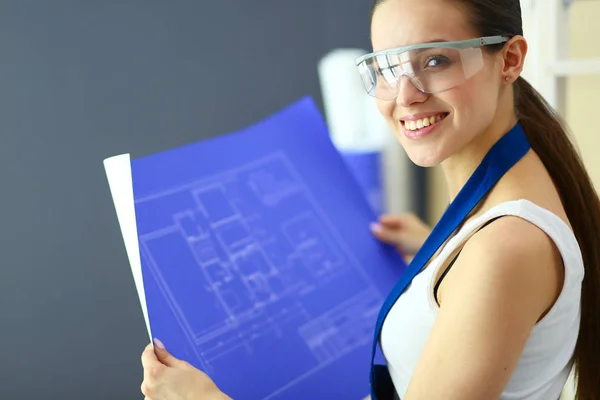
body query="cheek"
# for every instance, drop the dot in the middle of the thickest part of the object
(474, 104)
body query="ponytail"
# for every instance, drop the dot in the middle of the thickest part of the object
(548, 138)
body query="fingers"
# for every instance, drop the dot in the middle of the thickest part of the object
(153, 368)
(149, 359)
(165, 357)
(391, 220)
(385, 234)
(148, 387)
(153, 372)
(397, 229)
(404, 220)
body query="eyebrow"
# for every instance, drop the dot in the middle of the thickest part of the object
(419, 51)
(429, 41)
(436, 40)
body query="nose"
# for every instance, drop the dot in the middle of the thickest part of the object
(408, 92)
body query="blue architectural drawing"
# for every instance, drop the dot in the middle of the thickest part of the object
(250, 278)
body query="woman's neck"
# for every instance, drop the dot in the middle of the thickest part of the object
(459, 167)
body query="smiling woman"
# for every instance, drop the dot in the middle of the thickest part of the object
(503, 310)
(456, 69)
(505, 296)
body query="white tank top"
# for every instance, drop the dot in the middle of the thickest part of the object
(547, 358)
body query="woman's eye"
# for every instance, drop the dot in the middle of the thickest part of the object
(436, 61)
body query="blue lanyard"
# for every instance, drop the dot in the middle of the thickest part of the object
(500, 158)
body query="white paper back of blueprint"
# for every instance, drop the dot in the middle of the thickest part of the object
(118, 173)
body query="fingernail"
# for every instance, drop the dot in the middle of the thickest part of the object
(159, 344)
(375, 227)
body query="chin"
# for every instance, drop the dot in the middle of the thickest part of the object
(424, 160)
(422, 154)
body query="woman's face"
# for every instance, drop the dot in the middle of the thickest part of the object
(466, 110)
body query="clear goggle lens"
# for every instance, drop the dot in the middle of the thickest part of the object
(430, 70)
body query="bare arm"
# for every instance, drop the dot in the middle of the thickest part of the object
(506, 277)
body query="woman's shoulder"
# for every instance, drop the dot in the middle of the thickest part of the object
(515, 254)
(533, 224)
(511, 233)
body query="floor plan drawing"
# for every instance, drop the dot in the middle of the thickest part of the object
(248, 262)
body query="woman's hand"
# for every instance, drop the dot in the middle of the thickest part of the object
(406, 232)
(168, 378)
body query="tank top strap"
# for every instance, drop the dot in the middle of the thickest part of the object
(445, 272)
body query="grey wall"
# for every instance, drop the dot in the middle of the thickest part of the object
(84, 80)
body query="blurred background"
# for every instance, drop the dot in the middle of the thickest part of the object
(85, 80)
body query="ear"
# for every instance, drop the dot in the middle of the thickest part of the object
(513, 57)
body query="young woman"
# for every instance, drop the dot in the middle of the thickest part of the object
(511, 302)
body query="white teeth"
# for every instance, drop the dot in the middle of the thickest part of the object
(421, 123)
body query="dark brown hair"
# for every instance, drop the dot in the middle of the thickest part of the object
(548, 137)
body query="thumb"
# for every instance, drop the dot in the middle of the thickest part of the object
(165, 357)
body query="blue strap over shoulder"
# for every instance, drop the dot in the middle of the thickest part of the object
(500, 158)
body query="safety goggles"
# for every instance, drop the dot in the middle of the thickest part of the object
(431, 67)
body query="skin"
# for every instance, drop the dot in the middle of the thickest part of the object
(168, 378)
(405, 231)
(510, 273)
(507, 276)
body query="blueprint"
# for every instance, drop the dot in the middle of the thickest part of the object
(257, 260)
(366, 166)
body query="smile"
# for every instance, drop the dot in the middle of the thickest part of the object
(414, 125)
